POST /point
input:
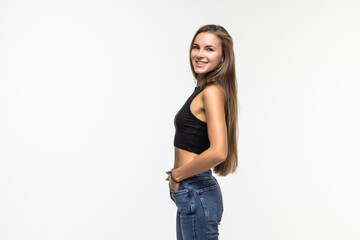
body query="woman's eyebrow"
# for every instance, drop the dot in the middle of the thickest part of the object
(205, 46)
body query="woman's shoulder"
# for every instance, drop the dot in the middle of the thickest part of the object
(214, 91)
(214, 88)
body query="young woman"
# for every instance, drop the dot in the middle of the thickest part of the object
(206, 136)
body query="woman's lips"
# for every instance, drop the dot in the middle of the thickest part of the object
(200, 63)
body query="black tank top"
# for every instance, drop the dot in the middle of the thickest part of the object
(190, 132)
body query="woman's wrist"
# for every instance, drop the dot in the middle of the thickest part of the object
(172, 177)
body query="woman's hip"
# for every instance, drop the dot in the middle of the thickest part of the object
(200, 191)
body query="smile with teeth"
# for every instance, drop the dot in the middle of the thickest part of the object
(199, 63)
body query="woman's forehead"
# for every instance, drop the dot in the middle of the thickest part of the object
(207, 38)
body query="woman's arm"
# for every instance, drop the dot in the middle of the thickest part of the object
(213, 101)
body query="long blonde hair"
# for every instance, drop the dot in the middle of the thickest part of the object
(224, 75)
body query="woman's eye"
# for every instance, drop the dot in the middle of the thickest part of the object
(195, 47)
(210, 49)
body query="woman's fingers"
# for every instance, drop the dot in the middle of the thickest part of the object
(168, 173)
(174, 186)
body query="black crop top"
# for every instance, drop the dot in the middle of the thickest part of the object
(190, 132)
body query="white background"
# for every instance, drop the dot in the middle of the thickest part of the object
(89, 91)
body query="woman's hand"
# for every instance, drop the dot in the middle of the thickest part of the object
(173, 185)
(168, 177)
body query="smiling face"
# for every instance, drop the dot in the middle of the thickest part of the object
(206, 53)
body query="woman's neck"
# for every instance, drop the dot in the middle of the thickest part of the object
(200, 81)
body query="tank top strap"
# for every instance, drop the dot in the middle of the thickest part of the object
(201, 87)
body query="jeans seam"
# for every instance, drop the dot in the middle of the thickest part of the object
(212, 187)
(194, 225)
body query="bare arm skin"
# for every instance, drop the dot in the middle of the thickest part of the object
(213, 101)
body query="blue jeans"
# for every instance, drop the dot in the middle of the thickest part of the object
(199, 207)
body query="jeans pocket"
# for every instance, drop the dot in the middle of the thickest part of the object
(211, 201)
(183, 201)
(178, 191)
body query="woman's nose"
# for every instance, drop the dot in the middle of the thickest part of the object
(200, 54)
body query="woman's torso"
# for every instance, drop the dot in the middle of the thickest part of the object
(182, 156)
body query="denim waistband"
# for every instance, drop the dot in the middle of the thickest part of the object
(201, 176)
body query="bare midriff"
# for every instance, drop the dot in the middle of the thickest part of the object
(183, 157)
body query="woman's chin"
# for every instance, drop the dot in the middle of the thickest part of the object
(200, 72)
